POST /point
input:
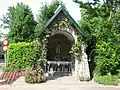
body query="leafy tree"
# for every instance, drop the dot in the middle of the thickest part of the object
(45, 13)
(20, 21)
(101, 20)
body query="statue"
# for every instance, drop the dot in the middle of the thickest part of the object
(84, 73)
(58, 48)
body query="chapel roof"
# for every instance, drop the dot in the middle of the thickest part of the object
(61, 8)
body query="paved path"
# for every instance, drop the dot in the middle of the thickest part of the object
(61, 83)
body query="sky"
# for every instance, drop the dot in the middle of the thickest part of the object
(72, 7)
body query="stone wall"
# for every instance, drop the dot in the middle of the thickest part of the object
(82, 71)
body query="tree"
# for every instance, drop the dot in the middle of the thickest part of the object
(20, 22)
(45, 13)
(101, 20)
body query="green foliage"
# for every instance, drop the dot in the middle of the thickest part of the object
(118, 74)
(39, 57)
(108, 58)
(45, 13)
(101, 21)
(19, 56)
(107, 80)
(35, 76)
(43, 57)
(75, 50)
(20, 21)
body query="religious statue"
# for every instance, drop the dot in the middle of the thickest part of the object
(84, 72)
(58, 48)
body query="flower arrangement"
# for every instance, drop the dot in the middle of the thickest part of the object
(35, 76)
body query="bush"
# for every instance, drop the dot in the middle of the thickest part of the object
(107, 79)
(35, 76)
(118, 74)
(19, 55)
(107, 58)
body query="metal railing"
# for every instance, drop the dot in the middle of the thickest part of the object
(59, 66)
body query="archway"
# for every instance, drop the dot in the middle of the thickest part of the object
(59, 59)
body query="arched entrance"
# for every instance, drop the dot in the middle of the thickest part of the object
(59, 59)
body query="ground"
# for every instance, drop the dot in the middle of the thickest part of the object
(61, 83)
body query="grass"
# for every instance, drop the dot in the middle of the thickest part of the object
(107, 79)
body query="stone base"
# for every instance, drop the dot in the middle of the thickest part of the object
(84, 78)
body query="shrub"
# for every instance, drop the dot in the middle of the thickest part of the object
(107, 79)
(35, 76)
(19, 55)
(39, 57)
(107, 58)
(118, 74)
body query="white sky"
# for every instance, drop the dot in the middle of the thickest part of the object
(72, 7)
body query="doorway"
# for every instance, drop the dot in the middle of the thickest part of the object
(58, 58)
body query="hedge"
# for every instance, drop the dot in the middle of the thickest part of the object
(19, 56)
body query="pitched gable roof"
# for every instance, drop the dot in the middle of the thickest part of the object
(58, 10)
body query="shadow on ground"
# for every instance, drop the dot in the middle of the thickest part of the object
(57, 75)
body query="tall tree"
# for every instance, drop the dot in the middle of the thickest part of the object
(45, 13)
(101, 20)
(20, 21)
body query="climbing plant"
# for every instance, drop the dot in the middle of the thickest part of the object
(75, 50)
